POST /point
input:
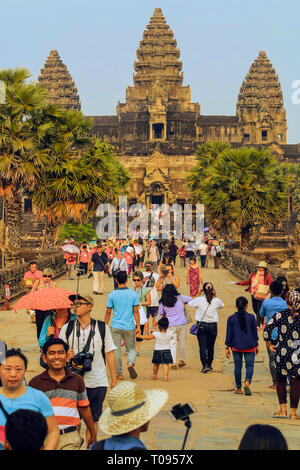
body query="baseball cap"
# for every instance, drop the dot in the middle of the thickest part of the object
(88, 298)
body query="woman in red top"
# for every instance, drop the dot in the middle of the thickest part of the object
(258, 281)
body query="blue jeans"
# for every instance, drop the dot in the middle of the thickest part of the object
(238, 363)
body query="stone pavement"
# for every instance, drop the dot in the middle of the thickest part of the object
(222, 417)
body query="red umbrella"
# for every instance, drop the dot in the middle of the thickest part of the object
(45, 299)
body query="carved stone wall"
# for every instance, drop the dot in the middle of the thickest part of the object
(242, 266)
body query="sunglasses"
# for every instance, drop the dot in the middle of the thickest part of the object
(81, 303)
(137, 280)
(47, 275)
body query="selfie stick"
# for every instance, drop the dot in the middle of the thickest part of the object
(188, 425)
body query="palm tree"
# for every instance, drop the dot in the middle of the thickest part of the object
(20, 155)
(240, 189)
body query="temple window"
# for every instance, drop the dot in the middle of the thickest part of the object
(264, 135)
(279, 137)
(246, 137)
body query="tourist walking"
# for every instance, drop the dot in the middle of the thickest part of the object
(67, 394)
(153, 255)
(144, 301)
(286, 353)
(150, 279)
(167, 276)
(93, 339)
(173, 250)
(99, 265)
(162, 349)
(259, 282)
(268, 309)
(118, 264)
(203, 247)
(123, 303)
(285, 286)
(172, 306)
(45, 283)
(194, 276)
(182, 254)
(30, 277)
(14, 395)
(138, 254)
(70, 263)
(53, 324)
(129, 413)
(207, 306)
(83, 259)
(242, 339)
(216, 254)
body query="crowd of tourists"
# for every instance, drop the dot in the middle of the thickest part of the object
(82, 357)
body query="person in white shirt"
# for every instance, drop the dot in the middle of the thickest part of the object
(96, 381)
(138, 254)
(203, 253)
(118, 264)
(207, 320)
(150, 279)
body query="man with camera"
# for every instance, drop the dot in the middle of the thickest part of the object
(91, 345)
(167, 276)
(67, 394)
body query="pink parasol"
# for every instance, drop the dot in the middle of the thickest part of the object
(45, 299)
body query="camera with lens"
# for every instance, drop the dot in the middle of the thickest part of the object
(80, 271)
(81, 363)
(182, 411)
(164, 272)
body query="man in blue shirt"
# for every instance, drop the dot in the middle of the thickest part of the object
(268, 309)
(124, 303)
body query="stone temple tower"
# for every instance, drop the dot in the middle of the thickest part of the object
(58, 81)
(158, 101)
(260, 109)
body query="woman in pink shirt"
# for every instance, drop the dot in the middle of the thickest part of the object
(83, 259)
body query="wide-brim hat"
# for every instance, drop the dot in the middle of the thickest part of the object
(262, 264)
(130, 407)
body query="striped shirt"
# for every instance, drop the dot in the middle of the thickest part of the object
(65, 396)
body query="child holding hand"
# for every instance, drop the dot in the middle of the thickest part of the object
(162, 349)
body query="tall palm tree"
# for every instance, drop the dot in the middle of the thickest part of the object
(239, 189)
(20, 155)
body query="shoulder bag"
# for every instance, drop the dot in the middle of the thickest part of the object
(195, 328)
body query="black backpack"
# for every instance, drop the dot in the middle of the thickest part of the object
(101, 327)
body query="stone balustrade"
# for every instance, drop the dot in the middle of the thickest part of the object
(242, 266)
(13, 275)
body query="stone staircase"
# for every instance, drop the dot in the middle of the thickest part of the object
(32, 231)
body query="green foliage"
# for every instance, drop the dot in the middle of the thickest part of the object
(239, 188)
(291, 172)
(80, 233)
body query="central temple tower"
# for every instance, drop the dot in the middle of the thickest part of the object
(158, 107)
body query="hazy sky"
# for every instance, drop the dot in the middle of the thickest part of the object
(97, 40)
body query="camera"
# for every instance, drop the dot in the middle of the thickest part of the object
(81, 363)
(182, 411)
(164, 272)
(79, 270)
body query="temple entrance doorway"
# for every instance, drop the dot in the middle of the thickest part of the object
(158, 200)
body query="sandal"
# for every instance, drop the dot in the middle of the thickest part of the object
(279, 414)
(181, 364)
(154, 377)
(238, 391)
(174, 367)
(247, 391)
(294, 416)
(166, 379)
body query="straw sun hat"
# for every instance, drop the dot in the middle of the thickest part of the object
(130, 407)
(262, 264)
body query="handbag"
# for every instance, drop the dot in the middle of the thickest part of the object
(187, 312)
(195, 328)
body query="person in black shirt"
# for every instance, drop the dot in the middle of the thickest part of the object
(99, 265)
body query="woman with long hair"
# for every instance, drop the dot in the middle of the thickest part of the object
(285, 285)
(287, 356)
(194, 276)
(53, 323)
(172, 306)
(242, 339)
(207, 318)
